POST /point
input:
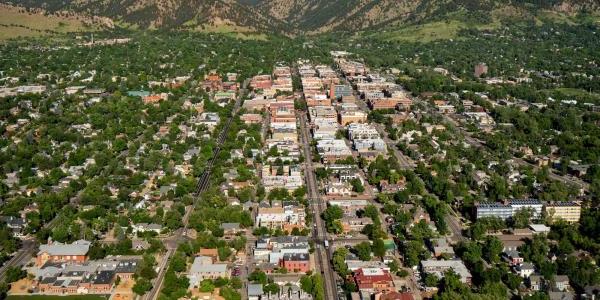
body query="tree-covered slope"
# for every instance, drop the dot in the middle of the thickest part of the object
(304, 16)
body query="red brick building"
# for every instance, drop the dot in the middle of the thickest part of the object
(63, 253)
(373, 279)
(296, 262)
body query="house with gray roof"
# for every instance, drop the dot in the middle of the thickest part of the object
(255, 291)
(204, 268)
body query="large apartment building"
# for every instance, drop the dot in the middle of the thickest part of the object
(507, 209)
(567, 211)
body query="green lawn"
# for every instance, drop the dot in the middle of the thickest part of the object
(40, 297)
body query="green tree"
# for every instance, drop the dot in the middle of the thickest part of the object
(363, 251)
(378, 248)
(492, 249)
(258, 276)
(141, 286)
(206, 286)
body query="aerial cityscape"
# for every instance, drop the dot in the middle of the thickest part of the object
(299, 150)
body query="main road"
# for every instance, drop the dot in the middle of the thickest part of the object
(319, 232)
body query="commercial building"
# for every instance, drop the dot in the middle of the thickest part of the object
(332, 150)
(296, 262)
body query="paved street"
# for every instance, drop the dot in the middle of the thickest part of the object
(323, 255)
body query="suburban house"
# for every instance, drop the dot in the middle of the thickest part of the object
(204, 268)
(145, 227)
(438, 267)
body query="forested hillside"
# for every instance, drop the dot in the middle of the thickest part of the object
(307, 16)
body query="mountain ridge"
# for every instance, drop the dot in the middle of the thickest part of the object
(296, 16)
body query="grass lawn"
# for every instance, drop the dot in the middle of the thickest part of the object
(43, 297)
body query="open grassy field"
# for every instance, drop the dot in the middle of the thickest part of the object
(226, 28)
(430, 31)
(233, 31)
(40, 297)
(17, 23)
(449, 29)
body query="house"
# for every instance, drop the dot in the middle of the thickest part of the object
(354, 263)
(151, 99)
(338, 189)
(512, 241)
(145, 227)
(213, 253)
(513, 257)
(439, 267)
(16, 225)
(230, 229)
(204, 268)
(391, 188)
(255, 291)
(373, 280)
(210, 119)
(419, 215)
(354, 224)
(440, 247)
(525, 269)
(55, 252)
(251, 118)
(539, 228)
(139, 244)
(561, 282)
(446, 109)
(536, 282)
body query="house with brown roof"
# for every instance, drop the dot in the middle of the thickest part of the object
(209, 252)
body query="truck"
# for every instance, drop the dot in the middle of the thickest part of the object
(326, 244)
